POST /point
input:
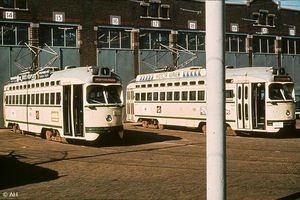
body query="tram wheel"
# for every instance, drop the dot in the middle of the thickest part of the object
(48, 134)
(145, 124)
(203, 128)
(16, 128)
(229, 131)
(160, 127)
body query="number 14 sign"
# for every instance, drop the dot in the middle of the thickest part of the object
(9, 15)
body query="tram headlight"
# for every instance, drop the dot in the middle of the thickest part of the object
(108, 118)
(287, 112)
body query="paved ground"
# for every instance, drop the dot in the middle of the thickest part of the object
(149, 164)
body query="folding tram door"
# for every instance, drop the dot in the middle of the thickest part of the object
(258, 106)
(130, 105)
(73, 110)
(250, 106)
(243, 106)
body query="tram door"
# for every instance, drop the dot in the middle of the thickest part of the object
(258, 107)
(67, 110)
(73, 110)
(130, 105)
(243, 106)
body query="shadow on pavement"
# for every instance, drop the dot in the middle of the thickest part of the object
(131, 137)
(136, 137)
(15, 173)
(290, 134)
(291, 197)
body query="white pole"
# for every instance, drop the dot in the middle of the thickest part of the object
(216, 136)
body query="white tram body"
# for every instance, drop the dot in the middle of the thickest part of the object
(178, 98)
(74, 103)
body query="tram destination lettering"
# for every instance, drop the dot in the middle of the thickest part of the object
(97, 79)
(29, 76)
(167, 75)
(282, 78)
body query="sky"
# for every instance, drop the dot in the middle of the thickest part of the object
(293, 4)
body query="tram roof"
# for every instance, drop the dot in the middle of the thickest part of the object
(80, 73)
(263, 73)
(259, 73)
(87, 75)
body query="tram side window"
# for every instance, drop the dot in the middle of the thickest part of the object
(28, 99)
(52, 97)
(32, 99)
(14, 99)
(143, 96)
(137, 96)
(176, 96)
(162, 96)
(24, 98)
(155, 96)
(17, 99)
(47, 99)
(21, 99)
(169, 96)
(229, 94)
(149, 96)
(57, 98)
(192, 95)
(201, 95)
(42, 99)
(37, 98)
(9, 99)
(184, 95)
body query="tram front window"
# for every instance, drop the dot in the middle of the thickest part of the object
(279, 91)
(103, 95)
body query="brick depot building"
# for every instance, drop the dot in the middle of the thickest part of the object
(132, 37)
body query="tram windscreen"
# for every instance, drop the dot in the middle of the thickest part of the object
(279, 91)
(98, 94)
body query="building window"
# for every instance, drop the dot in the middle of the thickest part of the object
(263, 18)
(235, 43)
(19, 4)
(191, 40)
(153, 39)
(144, 10)
(8, 4)
(155, 10)
(264, 45)
(58, 36)
(290, 46)
(113, 38)
(165, 11)
(271, 20)
(13, 34)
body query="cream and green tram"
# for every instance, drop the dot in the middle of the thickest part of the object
(258, 99)
(75, 103)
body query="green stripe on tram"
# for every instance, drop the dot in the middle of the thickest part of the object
(31, 123)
